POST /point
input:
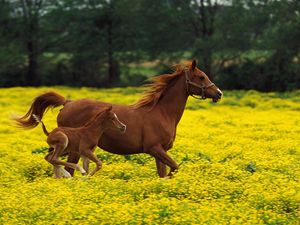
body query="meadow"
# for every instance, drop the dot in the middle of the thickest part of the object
(239, 164)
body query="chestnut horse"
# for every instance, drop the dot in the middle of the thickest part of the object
(151, 122)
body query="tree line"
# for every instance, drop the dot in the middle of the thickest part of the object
(240, 44)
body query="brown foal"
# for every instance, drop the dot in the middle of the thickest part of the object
(82, 140)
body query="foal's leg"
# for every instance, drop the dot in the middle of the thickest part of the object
(56, 169)
(54, 160)
(57, 161)
(159, 153)
(61, 172)
(90, 155)
(61, 142)
(57, 173)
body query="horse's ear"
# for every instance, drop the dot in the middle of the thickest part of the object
(109, 108)
(194, 64)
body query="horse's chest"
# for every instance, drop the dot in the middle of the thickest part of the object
(169, 144)
(169, 137)
(163, 134)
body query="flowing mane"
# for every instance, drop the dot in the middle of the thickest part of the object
(159, 85)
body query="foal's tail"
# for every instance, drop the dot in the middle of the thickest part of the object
(37, 119)
(38, 107)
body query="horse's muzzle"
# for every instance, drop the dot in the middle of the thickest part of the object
(217, 96)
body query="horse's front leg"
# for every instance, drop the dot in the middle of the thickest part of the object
(88, 154)
(85, 163)
(159, 154)
(161, 168)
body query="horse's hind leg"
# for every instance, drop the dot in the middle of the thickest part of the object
(61, 142)
(56, 169)
(57, 173)
(60, 172)
(56, 162)
(73, 158)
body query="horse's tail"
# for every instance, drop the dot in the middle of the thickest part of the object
(37, 119)
(38, 107)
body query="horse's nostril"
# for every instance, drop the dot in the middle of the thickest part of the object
(220, 93)
(123, 128)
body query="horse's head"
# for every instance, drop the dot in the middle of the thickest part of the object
(111, 121)
(198, 83)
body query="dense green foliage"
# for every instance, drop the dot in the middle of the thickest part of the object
(241, 44)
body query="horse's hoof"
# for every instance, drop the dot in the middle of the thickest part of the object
(67, 176)
(170, 175)
(65, 173)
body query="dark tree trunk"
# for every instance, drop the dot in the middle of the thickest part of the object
(113, 75)
(31, 23)
(32, 74)
(207, 62)
(206, 12)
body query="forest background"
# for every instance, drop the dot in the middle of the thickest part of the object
(240, 44)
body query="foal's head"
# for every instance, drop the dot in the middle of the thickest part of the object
(109, 120)
(198, 83)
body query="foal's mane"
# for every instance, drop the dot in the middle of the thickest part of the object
(101, 115)
(159, 84)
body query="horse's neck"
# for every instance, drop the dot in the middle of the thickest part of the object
(174, 99)
(94, 129)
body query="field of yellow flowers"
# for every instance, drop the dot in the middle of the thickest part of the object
(240, 164)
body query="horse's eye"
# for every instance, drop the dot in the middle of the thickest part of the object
(202, 78)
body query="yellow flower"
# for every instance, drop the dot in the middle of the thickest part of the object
(239, 164)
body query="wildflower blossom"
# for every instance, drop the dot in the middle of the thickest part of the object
(239, 164)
